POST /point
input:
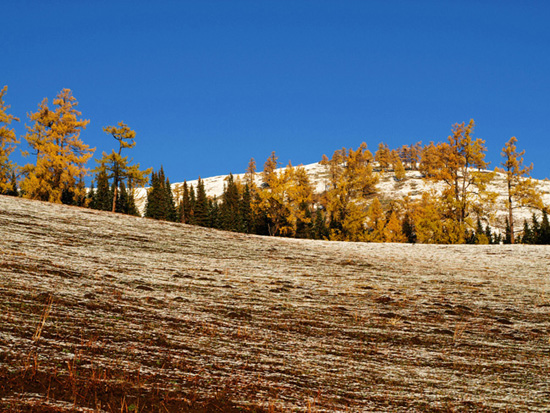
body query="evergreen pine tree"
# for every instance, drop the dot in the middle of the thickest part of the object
(103, 197)
(231, 219)
(123, 201)
(304, 228)
(153, 206)
(214, 219)
(527, 236)
(408, 229)
(544, 229)
(201, 205)
(480, 237)
(535, 230)
(507, 233)
(11, 189)
(160, 200)
(185, 211)
(192, 204)
(113, 194)
(247, 214)
(320, 229)
(91, 197)
(171, 211)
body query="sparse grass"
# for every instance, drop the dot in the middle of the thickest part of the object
(101, 312)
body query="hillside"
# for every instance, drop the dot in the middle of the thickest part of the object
(388, 188)
(109, 313)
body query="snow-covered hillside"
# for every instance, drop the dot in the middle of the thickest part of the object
(388, 188)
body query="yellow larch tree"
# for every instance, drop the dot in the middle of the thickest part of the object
(300, 198)
(350, 181)
(459, 164)
(432, 222)
(383, 156)
(273, 197)
(521, 189)
(119, 168)
(61, 156)
(8, 142)
(285, 198)
(410, 155)
(399, 169)
(393, 231)
(376, 221)
(250, 175)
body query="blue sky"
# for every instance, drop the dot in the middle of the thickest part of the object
(207, 85)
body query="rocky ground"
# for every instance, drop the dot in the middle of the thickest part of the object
(105, 312)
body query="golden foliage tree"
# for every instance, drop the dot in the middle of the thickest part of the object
(250, 175)
(399, 170)
(459, 164)
(119, 168)
(286, 197)
(60, 154)
(432, 223)
(383, 156)
(350, 181)
(393, 231)
(410, 155)
(8, 141)
(522, 191)
(376, 220)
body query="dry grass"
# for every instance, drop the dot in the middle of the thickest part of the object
(102, 312)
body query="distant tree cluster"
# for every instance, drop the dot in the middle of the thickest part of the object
(60, 158)
(283, 202)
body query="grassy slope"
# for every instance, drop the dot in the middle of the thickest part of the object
(152, 316)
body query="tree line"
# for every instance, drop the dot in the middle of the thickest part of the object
(283, 202)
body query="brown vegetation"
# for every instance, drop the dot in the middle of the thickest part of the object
(106, 312)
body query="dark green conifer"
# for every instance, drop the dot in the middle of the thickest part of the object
(214, 218)
(123, 200)
(103, 195)
(193, 203)
(507, 233)
(201, 205)
(535, 230)
(247, 214)
(545, 229)
(305, 227)
(527, 236)
(408, 229)
(230, 212)
(185, 211)
(320, 229)
(91, 197)
(153, 206)
(171, 211)
(12, 190)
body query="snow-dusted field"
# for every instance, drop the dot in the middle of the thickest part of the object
(105, 312)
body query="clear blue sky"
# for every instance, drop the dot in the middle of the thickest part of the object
(209, 84)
